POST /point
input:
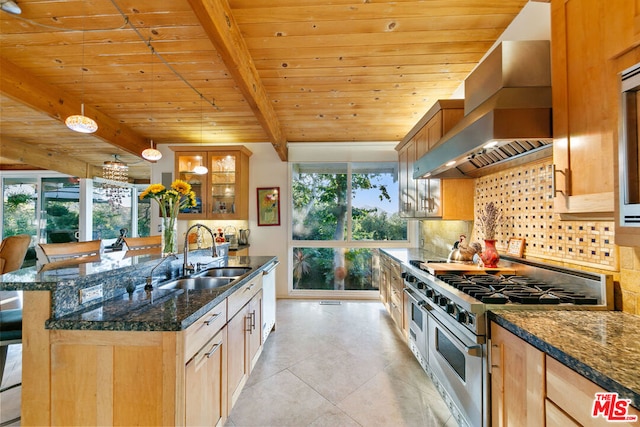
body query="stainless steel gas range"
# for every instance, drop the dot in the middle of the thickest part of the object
(448, 321)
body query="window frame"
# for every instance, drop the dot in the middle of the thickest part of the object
(412, 238)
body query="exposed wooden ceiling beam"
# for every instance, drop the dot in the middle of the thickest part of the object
(218, 22)
(46, 159)
(23, 87)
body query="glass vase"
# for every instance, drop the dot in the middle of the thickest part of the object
(490, 255)
(169, 236)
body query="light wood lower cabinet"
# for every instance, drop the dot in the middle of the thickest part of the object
(114, 378)
(206, 384)
(517, 380)
(555, 416)
(192, 377)
(573, 394)
(531, 388)
(392, 292)
(245, 337)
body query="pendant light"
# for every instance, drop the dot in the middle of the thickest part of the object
(151, 154)
(10, 6)
(81, 123)
(116, 173)
(201, 169)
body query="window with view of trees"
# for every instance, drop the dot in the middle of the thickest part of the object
(339, 209)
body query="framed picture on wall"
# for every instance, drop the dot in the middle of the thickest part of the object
(268, 206)
(515, 247)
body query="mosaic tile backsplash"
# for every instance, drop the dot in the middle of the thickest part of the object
(525, 195)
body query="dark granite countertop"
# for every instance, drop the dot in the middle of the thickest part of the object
(159, 310)
(603, 346)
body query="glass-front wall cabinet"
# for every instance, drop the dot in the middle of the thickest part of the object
(186, 164)
(222, 191)
(223, 184)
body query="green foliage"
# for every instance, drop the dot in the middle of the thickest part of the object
(19, 218)
(15, 200)
(107, 221)
(318, 271)
(320, 208)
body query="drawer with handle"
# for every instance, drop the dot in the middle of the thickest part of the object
(241, 297)
(204, 328)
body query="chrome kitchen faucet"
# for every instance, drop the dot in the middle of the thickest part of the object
(186, 267)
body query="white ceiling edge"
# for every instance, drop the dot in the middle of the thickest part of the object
(343, 151)
(532, 23)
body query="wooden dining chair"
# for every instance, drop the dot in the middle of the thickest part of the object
(72, 251)
(12, 252)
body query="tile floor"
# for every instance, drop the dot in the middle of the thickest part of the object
(10, 399)
(337, 365)
(325, 365)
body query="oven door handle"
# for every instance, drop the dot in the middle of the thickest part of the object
(417, 301)
(471, 350)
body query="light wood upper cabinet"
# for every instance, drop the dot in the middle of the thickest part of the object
(406, 157)
(222, 192)
(584, 113)
(433, 198)
(457, 198)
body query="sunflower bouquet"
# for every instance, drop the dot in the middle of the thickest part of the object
(171, 201)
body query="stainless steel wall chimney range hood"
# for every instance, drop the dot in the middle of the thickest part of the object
(507, 115)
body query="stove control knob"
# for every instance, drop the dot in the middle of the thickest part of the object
(462, 317)
(443, 301)
(451, 308)
(420, 284)
(429, 293)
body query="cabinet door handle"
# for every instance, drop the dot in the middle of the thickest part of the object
(213, 349)
(494, 352)
(247, 329)
(567, 183)
(211, 319)
(253, 319)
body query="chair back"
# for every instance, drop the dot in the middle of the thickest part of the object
(71, 251)
(140, 243)
(12, 252)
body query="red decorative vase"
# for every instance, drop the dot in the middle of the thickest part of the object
(490, 256)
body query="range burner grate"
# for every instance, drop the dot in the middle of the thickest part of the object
(496, 289)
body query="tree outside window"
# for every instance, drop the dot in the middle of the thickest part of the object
(348, 204)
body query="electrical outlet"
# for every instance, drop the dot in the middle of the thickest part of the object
(90, 294)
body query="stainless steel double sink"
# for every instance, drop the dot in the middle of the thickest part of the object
(211, 278)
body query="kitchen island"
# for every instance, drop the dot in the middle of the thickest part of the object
(129, 355)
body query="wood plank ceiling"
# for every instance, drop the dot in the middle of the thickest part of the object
(224, 72)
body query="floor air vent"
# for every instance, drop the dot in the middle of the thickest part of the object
(330, 302)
